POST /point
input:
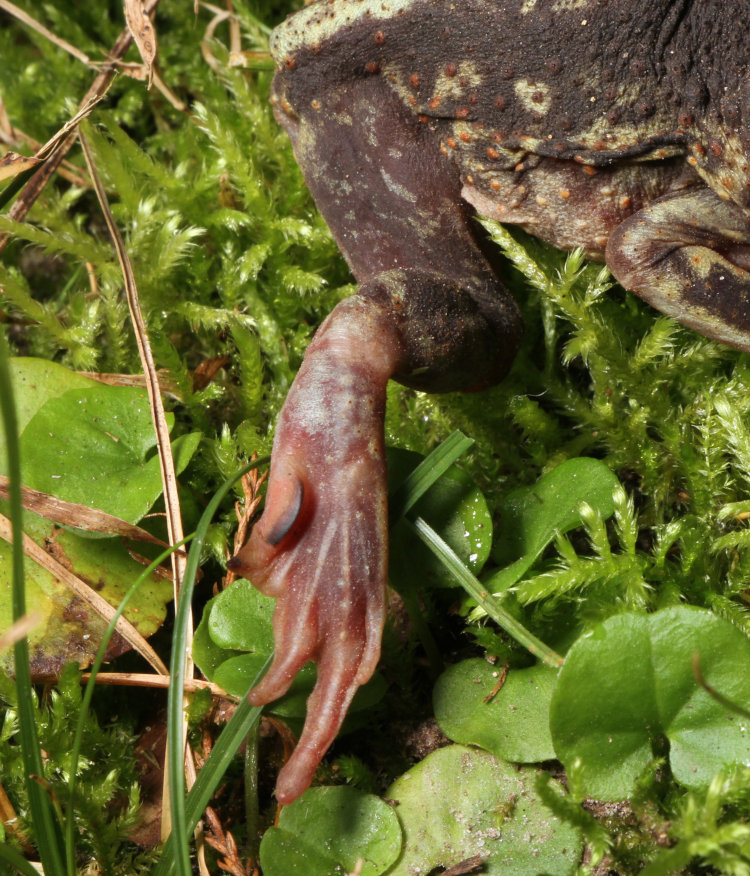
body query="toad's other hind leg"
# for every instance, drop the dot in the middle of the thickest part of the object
(688, 254)
(430, 312)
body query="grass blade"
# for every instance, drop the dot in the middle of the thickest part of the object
(473, 586)
(175, 741)
(209, 778)
(17, 860)
(46, 826)
(88, 695)
(426, 473)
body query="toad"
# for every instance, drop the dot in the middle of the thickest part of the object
(621, 126)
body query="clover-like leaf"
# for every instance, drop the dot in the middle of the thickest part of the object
(530, 517)
(463, 802)
(327, 831)
(630, 686)
(235, 638)
(512, 722)
(93, 446)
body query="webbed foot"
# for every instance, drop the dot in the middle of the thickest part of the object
(320, 547)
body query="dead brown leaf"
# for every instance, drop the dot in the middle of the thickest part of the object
(207, 370)
(152, 744)
(144, 34)
(470, 865)
(85, 593)
(12, 164)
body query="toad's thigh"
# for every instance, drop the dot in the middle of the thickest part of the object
(570, 204)
(688, 254)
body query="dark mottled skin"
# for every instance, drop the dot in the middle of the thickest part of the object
(622, 126)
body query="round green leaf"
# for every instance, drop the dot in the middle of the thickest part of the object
(512, 723)
(207, 654)
(34, 382)
(460, 802)
(327, 831)
(234, 639)
(456, 509)
(630, 685)
(240, 619)
(532, 516)
(93, 446)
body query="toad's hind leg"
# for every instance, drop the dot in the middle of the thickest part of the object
(430, 312)
(688, 254)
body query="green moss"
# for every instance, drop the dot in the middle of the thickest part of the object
(107, 799)
(233, 261)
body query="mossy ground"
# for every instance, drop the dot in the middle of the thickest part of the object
(232, 260)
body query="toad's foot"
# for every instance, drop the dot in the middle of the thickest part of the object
(320, 547)
(688, 254)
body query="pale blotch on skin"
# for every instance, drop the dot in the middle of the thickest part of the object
(317, 22)
(527, 6)
(731, 179)
(568, 5)
(397, 189)
(455, 86)
(535, 97)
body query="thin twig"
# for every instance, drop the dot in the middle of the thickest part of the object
(163, 443)
(26, 19)
(16, 139)
(715, 694)
(500, 682)
(167, 384)
(99, 86)
(149, 679)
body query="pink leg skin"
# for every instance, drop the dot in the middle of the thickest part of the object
(320, 547)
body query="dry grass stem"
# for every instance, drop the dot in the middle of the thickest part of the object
(150, 679)
(99, 86)
(166, 383)
(16, 139)
(163, 443)
(26, 19)
(20, 629)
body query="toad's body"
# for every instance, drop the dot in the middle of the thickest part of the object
(616, 125)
